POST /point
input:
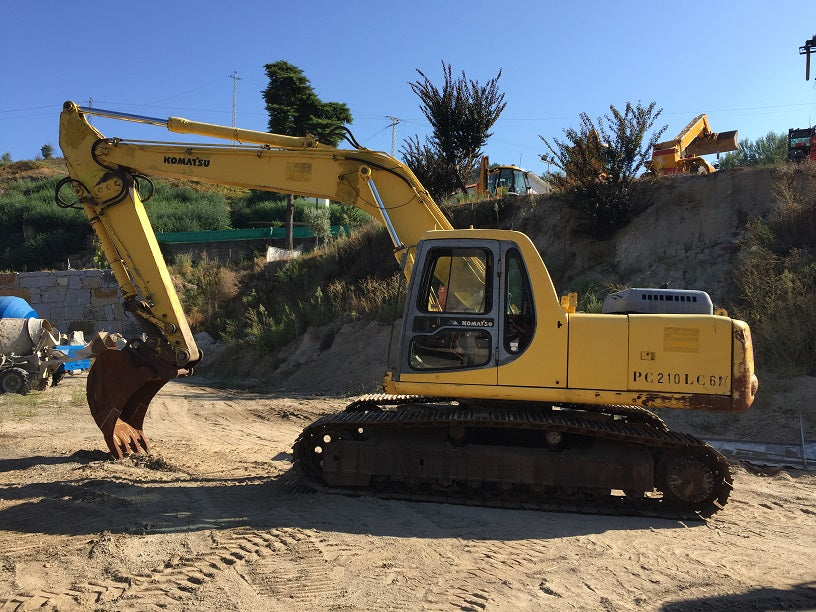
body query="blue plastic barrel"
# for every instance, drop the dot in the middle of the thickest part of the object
(13, 307)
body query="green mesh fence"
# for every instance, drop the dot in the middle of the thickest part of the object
(263, 233)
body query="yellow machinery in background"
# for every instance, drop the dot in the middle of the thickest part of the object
(683, 155)
(500, 181)
(496, 393)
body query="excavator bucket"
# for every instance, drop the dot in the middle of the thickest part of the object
(119, 389)
(721, 142)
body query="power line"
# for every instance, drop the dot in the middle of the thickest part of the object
(19, 110)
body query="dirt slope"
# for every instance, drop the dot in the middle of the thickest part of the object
(216, 521)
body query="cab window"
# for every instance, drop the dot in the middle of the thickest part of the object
(519, 313)
(457, 281)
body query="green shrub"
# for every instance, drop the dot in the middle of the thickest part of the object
(317, 220)
(203, 286)
(183, 209)
(600, 161)
(776, 277)
(259, 209)
(38, 234)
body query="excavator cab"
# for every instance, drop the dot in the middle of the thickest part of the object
(469, 310)
(506, 180)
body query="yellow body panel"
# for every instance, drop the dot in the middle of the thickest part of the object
(482, 376)
(598, 351)
(544, 363)
(687, 354)
(686, 401)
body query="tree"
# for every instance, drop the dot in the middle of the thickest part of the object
(461, 114)
(295, 110)
(769, 149)
(318, 219)
(600, 161)
(5, 158)
(47, 151)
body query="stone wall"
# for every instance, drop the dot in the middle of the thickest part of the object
(73, 300)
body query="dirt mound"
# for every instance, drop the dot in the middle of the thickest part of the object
(339, 359)
(686, 237)
(32, 169)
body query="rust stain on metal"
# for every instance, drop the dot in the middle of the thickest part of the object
(708, 403)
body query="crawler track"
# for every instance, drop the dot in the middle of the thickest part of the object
(568, 458)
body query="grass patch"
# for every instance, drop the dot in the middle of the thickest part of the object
(14, 406)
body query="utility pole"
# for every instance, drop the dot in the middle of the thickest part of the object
(806, 50)
(235, 78)
(394, 122)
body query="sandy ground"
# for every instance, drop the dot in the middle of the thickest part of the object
(216, 520)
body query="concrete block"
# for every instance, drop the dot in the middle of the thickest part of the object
(44, 311)
(36, 280)
(88, 328)
(94, 313)
(76, 311)
(108, 279)
(104, 295)
(79, 297)
(53, 295)
(57, 314)
(92, 282)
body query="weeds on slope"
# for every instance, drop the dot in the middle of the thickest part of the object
(266, 306)
(776, 276)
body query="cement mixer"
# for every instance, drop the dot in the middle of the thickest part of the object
(28, 357)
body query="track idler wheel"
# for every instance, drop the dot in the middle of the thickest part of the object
(120, 386)
(694, 480)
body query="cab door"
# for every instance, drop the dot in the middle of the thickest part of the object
(452, 316)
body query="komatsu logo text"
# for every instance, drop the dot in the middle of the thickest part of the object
(186, 161)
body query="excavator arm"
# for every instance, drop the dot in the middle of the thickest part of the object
(105, 176)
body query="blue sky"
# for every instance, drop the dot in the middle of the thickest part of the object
(736, 61)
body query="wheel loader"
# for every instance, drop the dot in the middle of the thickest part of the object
(497, 393)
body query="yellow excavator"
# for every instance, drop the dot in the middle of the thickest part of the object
(683, 155)
(498, 392)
